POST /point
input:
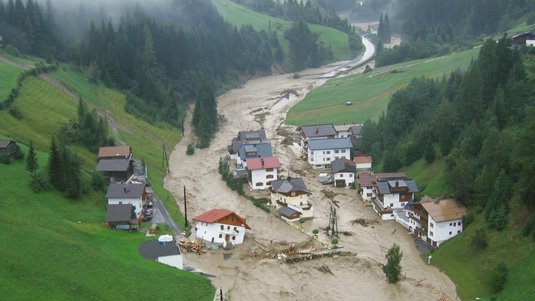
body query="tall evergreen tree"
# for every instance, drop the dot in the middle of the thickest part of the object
(31, 161)
(205, 115)
(55, 167)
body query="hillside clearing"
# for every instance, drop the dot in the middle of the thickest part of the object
(370, 92)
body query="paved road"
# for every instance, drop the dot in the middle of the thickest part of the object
(359, 61)
(177, 231)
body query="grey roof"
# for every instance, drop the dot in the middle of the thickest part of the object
(355, 129)
(318, 130)
(343, 165)
(384, 187)
(252, 135)
(329, 143)
(119, 213)
(118, 190)
(154, 249)
(236, 144)
(113, 165)
(263, 150)
(5, 143)
(287, 211)
(289, 185)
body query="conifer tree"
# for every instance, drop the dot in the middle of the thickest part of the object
(55, 166)
(31, 161)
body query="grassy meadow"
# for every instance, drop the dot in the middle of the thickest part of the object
(240, 15)
(58, 249)
(470, 269)
(8, 79)
(370, 92)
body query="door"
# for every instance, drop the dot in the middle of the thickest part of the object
(340, 183)
(227, 237)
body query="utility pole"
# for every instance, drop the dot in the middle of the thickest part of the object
(185, 209)
(333, 222)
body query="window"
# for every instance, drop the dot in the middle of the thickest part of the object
(222, 227)
(235, 228)
(259, 184)
(430, 233)
(341, 175)
(228, 227)
(233, 237)
(453, 224)
(343, 151)
(336, 151)
(450, 232)
(458, 231)
(391, 205)
(220, 235)
(292, 193)
(328, 152)
(269, 169)
(431, 225)
(328, 159)
(369, 195)
(269, 177)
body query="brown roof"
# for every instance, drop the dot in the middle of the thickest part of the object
(363, 159)
(366, 179)
(114, 151)
(443, 210)
(388, 175)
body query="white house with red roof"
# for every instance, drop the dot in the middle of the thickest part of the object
(262, 171)
(364, 162)
(220, 226)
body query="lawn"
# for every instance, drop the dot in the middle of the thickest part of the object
(8, 79)
(58, 249)
(370, 92)
(240, 15)
(430, 178)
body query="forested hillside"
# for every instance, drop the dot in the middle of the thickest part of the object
(481, 125)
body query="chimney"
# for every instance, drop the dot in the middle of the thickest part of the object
(262, 161)
(397, 184)
(125, 189)
(317, 129)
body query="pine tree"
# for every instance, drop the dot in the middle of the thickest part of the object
(205, 115)
(387, 35)
(392, 269)
(55, 167)
(497, 204)
(31, 161)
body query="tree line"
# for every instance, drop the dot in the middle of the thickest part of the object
(480, 122)
(435, 27)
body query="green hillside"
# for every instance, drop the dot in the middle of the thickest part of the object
(8, 79)
(370, 92)
(51, 254)
(58, 249)
(240, 15)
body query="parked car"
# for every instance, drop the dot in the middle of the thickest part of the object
(325, 178)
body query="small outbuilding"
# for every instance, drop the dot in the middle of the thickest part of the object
(8, 150)
(166, 252)
(121, 217)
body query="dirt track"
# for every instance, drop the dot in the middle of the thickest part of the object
(244, 276)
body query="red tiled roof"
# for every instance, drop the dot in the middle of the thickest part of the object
(216, 215)
(262, 163)
(363, 159)
(114, 151)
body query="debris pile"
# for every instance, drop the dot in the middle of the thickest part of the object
(192, 246)
(364, 222)
(294, 254)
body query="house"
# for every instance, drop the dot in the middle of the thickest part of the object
(363, 162)
(315, 131)
(525, 38)
(343, 172)
(260, 150)
(392, 191)
(354, 131)
(115, 152)
(366, 183)
(8, 150)
(116, 170)
(246, 137)
(349, 130)
(262, 171)
(133, 194)
(121, 217)
(166, 252)
(289, 214)
(342, 131)
(293, 193)
(221, 227)
(321, 152)
(436, 221)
